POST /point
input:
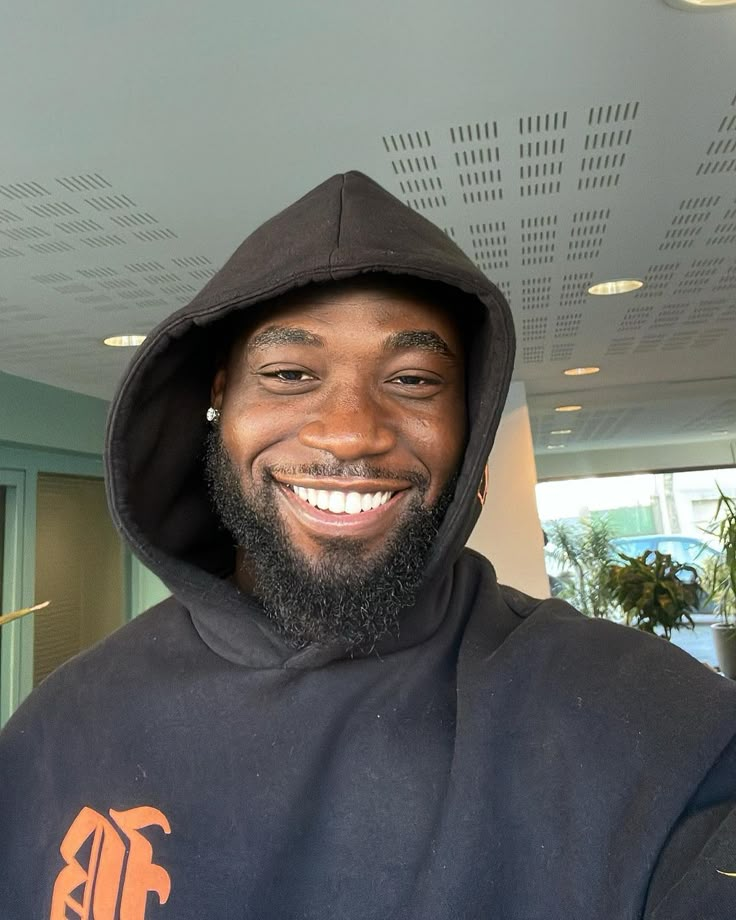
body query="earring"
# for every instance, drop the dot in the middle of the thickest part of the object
(213, 415)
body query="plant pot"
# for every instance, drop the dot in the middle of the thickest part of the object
(724, 639)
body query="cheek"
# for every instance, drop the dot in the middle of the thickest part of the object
(249, 429)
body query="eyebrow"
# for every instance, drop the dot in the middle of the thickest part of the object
(421, 339)
(408, 339)
(284, 335)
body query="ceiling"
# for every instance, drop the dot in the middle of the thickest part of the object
(558, 144)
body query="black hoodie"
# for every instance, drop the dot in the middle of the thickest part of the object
(501, 757)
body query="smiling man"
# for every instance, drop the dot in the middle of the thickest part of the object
(341, 426)
(339, 714)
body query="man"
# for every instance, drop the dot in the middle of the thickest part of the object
(340, 714)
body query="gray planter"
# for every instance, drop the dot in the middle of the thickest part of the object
(724, 639)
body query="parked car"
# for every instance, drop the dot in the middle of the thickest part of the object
(690, 550)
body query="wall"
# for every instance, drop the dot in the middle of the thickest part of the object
(41, 416)
(508, 531)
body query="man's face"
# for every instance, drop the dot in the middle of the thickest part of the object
(342, 421)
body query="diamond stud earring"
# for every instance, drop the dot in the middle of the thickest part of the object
(213, 415)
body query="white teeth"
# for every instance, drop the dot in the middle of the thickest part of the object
(342, 502)
(352, 503)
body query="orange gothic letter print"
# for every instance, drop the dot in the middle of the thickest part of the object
(109, 886)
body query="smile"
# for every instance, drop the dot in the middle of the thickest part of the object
(336, 501)
(350, 511)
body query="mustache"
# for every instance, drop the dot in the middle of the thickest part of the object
(348, 470)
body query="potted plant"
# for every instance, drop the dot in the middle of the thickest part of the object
(656, 594)
(583, 551)
(722, 583)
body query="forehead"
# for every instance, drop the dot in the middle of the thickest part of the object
(365, 307)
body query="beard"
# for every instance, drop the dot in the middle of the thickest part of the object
(346, 595)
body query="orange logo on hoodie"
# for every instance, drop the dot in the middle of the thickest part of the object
(109, 886)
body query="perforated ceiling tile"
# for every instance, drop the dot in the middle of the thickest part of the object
(110, 202)
(720, 157)
(52, 209)
(535, 293)
(574, 290)
(73, 289)
(587, 233)
(699, 276)
(25, 233)
(635, 318)
(52, 278)
(532, 354)
(621, 345)
(657, 279)
(669, 315)
(567, 325)
(534, 327)
(541, 150)
(727, 281)
(490, 245)
(80, 226)
(647, 343)
(538, 236)
(109, 239)
(477, 159)
(145, 267)
(609, 135)
(84, 183)
(9, 252)
(688, 222)
(504, 286)
(678, 340)
(415, 167)
(19, 191)
(151, 236)
(561, 351)
(53, 246)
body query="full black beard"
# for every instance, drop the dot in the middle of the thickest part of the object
(346, 596)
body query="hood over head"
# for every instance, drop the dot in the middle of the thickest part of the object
(344, 228)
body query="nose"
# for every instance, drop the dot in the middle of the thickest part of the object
(350, 427)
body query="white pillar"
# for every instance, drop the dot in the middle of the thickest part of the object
(508, 531)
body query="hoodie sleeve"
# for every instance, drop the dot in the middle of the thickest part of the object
(695, 876)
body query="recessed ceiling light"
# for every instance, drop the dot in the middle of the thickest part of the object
(699, 4)
(562, 431)
(580, 371)
(615, 286)
(124, 341)
(568, 408)
(555, 446)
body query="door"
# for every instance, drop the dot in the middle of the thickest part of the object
(79, 569)
(14, 663)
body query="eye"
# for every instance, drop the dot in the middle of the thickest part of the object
(413, 380)
(288, 375)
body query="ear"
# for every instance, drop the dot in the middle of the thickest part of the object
(217, 392)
